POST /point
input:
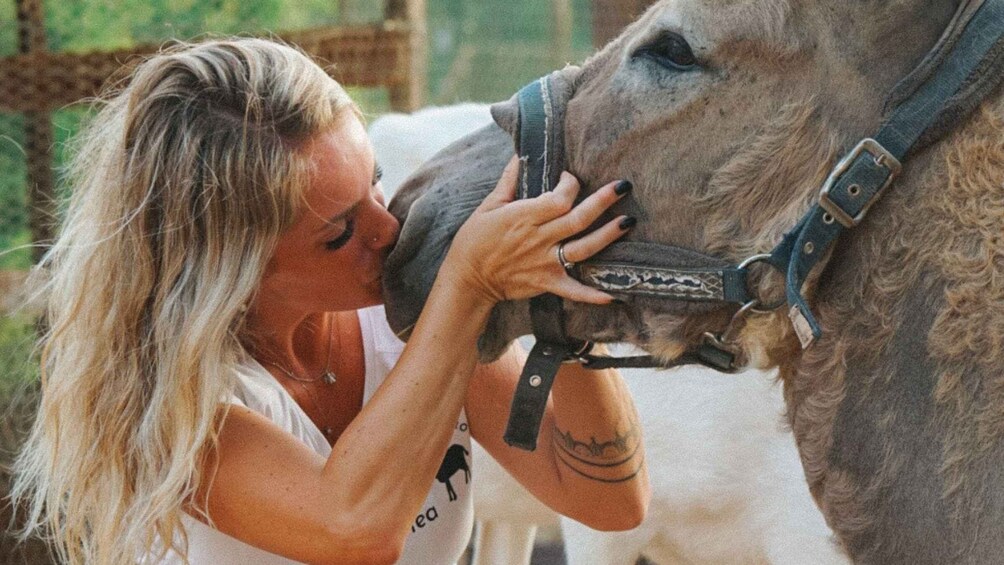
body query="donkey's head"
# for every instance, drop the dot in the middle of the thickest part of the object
(726, 115)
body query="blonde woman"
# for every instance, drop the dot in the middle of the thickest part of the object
(219, 383)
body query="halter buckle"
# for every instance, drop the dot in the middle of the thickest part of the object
(725, 342)
(882, 158)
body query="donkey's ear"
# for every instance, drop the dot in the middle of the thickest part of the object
(506, 115)
(563, 82)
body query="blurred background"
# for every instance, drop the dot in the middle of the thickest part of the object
(397, 55)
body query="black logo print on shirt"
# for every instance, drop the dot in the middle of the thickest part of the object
(455, 460)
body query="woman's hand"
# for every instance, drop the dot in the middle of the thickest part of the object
(508, 249)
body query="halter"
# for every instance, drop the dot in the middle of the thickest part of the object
(940, 92)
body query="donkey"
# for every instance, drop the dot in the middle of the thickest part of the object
(727, 116)
(709, 503)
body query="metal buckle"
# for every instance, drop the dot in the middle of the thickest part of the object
(581, 355)
(882, 157)
(726, 341)
(570, 356)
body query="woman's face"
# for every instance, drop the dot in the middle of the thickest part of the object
(332, 258)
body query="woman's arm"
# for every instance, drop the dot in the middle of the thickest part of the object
(357, 506)
(590, 462)
(276, 494)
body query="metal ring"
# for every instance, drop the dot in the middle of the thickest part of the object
(756, 307)
(762, 258)
(568, 265)
(727, 339)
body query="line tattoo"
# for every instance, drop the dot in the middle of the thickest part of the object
(624, 479)
(618, 448)
(601, 461)
(595, 464)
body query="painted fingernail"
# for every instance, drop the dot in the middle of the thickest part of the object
(628, 223)
(623, 187)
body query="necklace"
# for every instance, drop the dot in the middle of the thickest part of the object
(328, 376)
(327, 430)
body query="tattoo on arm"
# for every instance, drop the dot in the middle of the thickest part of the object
(613, 461)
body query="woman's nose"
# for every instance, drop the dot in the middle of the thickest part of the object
(385, 229)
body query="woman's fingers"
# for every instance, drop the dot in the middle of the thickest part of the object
(560, 201)
(507, 247)
(505, 190)
(577, 250)
(583, 248)
(551, 205)
(571, 289)
(588, 211)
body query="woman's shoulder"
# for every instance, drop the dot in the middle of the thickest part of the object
(257, 390)
(254, 387)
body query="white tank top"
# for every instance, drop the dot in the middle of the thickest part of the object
(440, 532)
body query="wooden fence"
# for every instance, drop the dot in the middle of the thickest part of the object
(390, 54)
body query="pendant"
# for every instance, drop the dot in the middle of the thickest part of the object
(328, 431)
(328, 377)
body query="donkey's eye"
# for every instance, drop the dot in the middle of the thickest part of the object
(671, 51)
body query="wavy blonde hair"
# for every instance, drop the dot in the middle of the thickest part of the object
(182, 184)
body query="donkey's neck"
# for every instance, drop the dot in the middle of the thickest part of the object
(895, 410)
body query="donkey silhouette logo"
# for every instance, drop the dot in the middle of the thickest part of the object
(455, 460)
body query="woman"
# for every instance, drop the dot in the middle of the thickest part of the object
(219, 373)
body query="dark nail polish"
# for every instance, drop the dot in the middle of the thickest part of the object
(623, 187)
(628, 223)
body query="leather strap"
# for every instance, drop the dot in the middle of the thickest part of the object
(540, 149)
(865, 173)
(536, 140)
(705, 355)
(532, 392)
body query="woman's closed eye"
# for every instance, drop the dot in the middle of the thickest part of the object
(346, 235)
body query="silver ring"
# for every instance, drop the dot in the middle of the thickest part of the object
(568, 265)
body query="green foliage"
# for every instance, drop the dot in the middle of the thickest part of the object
(13, 208)
(17, 342)
(84, 25)
(8, 29)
